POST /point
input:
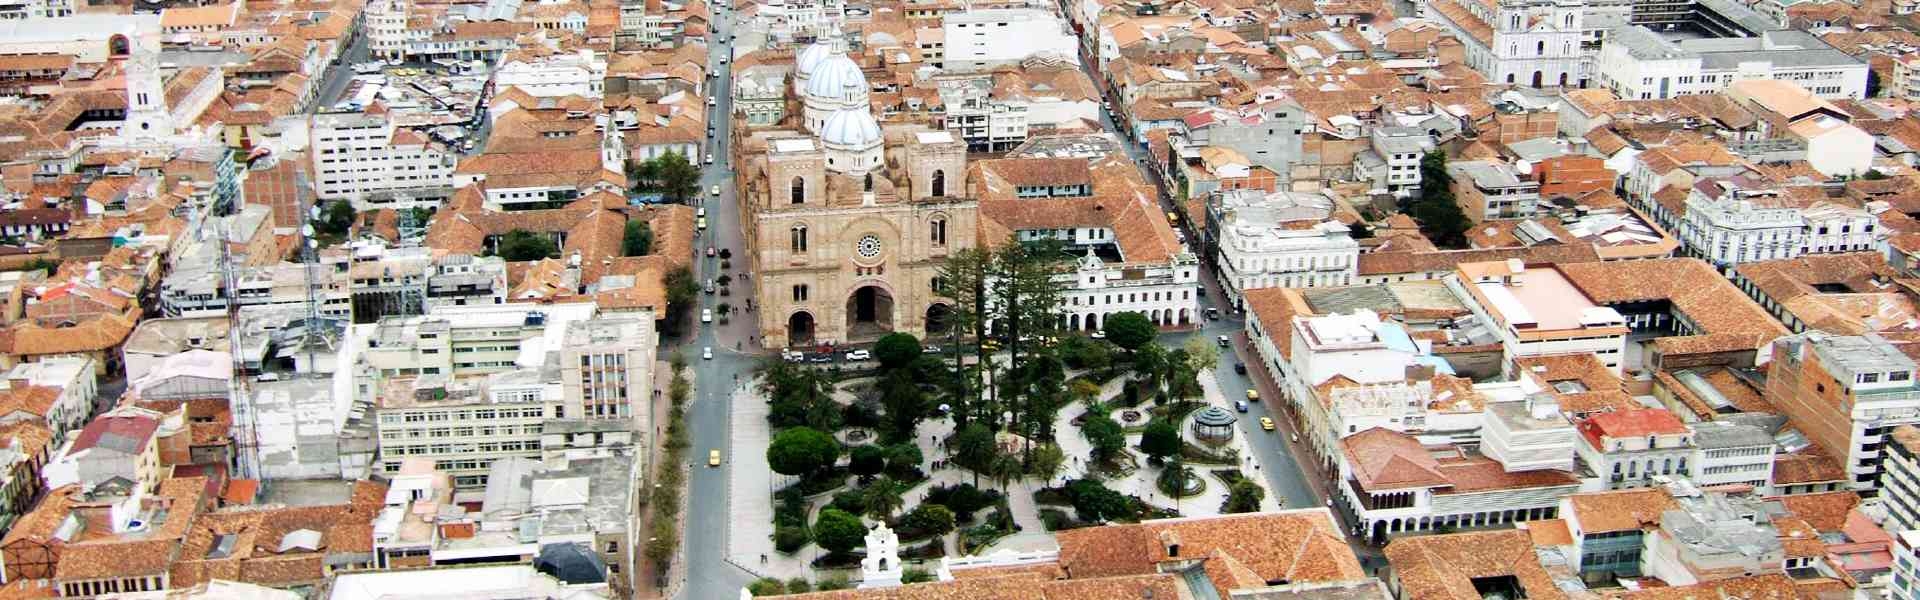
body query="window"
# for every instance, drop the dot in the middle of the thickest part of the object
(939, 187)
(799, 241)
(938, 230)
(800, 292)
(798, 190)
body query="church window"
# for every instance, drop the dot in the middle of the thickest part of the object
(798, 190)
(939, 183)
(939, 230)
(799, 241)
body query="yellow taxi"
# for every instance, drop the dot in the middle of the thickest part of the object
(713, 457)
(1253, 395)
(1265, 423)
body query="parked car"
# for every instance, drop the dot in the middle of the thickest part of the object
(1098, 335)
(707, 353)
(706, 315)
(821, 358)
(709, 286)
(1223, 341)
(701, 211)
(859, 355)
(716, 190)
(793, 357)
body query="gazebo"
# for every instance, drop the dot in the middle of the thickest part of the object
(1214, 424)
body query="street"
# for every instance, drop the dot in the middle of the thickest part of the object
(709, 574)
(339, 74)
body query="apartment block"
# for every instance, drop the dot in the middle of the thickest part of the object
(363, 157)
(1846, 394)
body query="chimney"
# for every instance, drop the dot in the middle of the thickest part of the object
(1171, 541)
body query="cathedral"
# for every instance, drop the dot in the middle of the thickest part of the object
(848, 225)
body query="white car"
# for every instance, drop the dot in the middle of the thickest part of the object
(707, 353)
(700, 211)
(859, 355)
(706, 315)
(716, 190)
(1098, 335)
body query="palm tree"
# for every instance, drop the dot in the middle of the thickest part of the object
(882, 498)
(1004, 468)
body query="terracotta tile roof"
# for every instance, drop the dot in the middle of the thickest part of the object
(1443, 261)
(1772, 586)
(115, 558)
(1275, 308)
(1629, 424)
(1444, 567)
(1806, 466)
(1826, 511)
(1784, 280)
(1026, 586)
(1120, 200)
(31, 399)
(1620, 510)
(123, 434)
(98, 334)
(1727, 317)
(1549, 532)
(1743, 395)
(1383, 459)
(1297, 546)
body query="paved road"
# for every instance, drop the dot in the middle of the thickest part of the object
(338, 75)
(709, 575)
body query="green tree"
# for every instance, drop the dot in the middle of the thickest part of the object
(1243, 496)
(522, 245)
(1129, 330)
(963, 277)
(638, 239)
(643, 175)
(1150, 370)
(767, 586)
(882, 498)
(903, 459)
(867, 460)
(682, 290)
(906, 405)
(896, 350)
(974, 448)
(1084, 390)
(678, 179)
(1106, 435)
(930, 518)
(1160, 440)
(1046, 461)
(1201, 354)
(838, 532)
(798, 395)
(1004, 468)
(802, 451)
(1095, 503)
(1437, 211)
(1359, 230)
(335, 218)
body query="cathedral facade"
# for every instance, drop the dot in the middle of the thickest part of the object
(849, 230)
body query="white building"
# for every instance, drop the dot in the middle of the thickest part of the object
(1900, 481)
(580, 73)
(1728, 225)
(1906, 566)
(1525, 42)
(1265, 240)
(1638, 63)
(1528, 435)
(386, 29)
(1627, 449)
(1392, 484)
(1165, 292)
(365, 158)
(77, 381)
(1536, 311)
(1728, 453)
(982, 39)
(1835, 147)
(987, 124)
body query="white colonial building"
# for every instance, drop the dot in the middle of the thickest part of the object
(1728, 225)
(1628, 449)
(1526, 42)
(1727, 453)
(1279, 239)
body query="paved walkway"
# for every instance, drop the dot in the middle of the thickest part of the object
(750, 494)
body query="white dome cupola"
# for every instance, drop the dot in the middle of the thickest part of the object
(836, 84)
(804, 64)
(853, 142)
